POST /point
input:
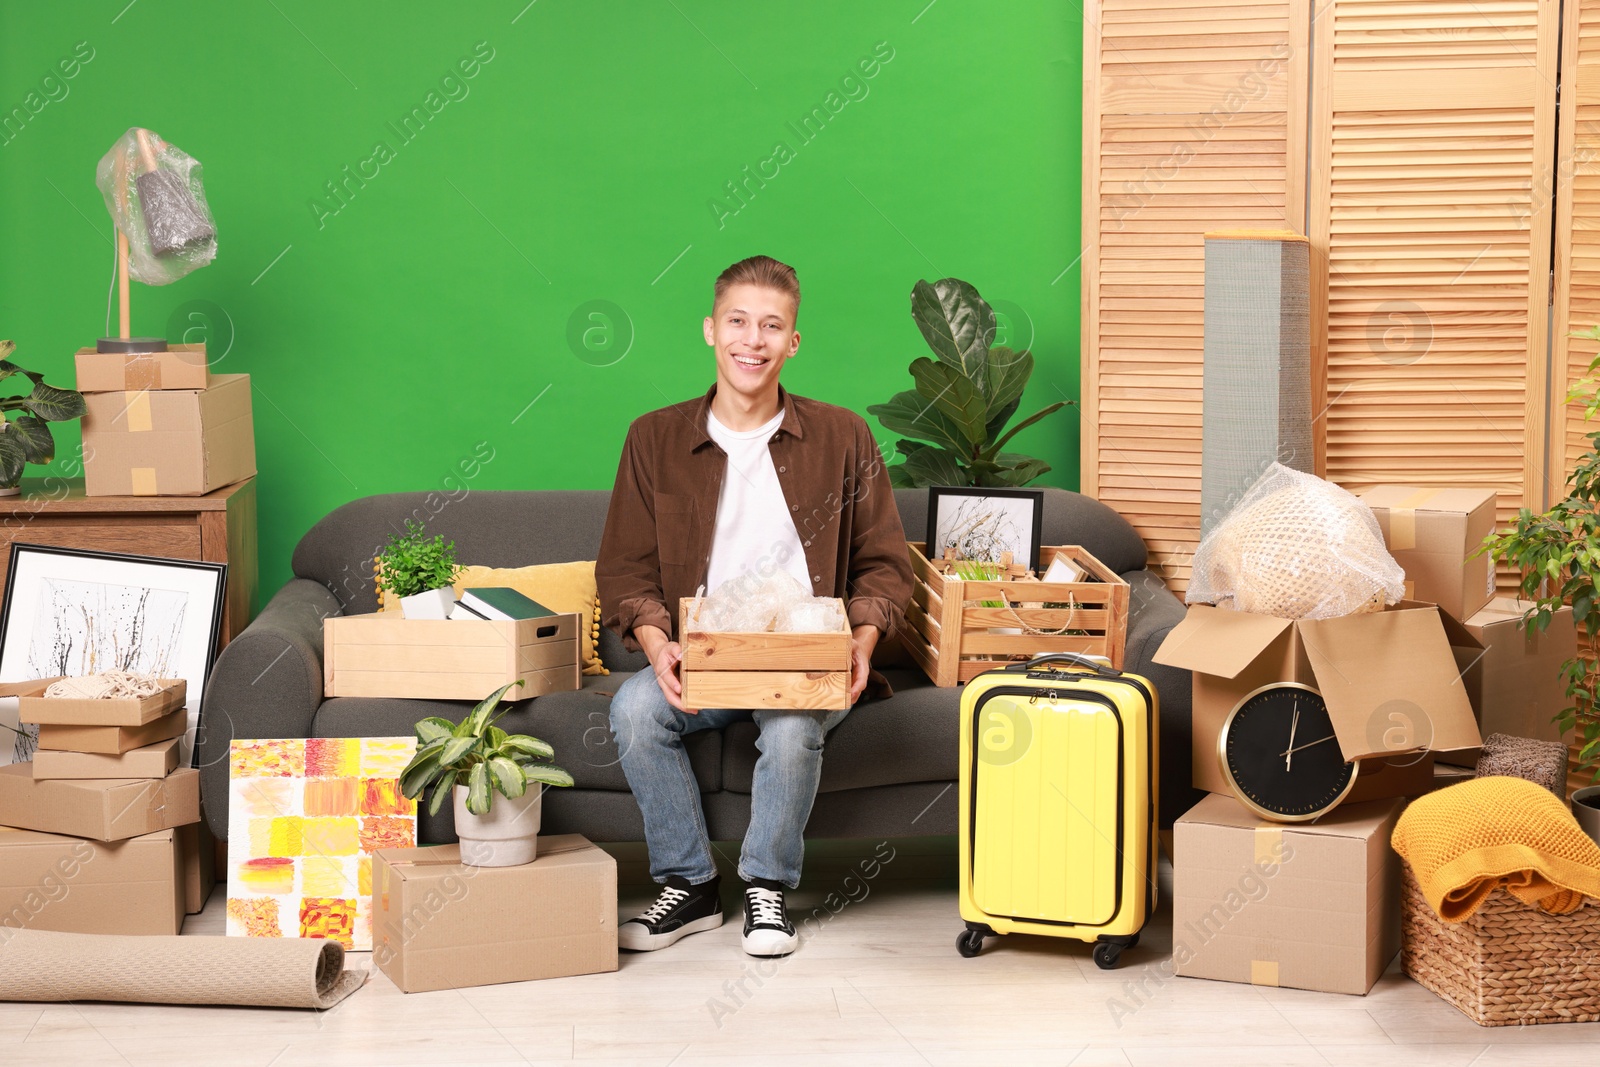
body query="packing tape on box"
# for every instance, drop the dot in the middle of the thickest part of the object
(141, 371)
(136, 411)
(1403, 520)
(1411, 590)
(144, 482)
(1264, 972)
(1269, 844)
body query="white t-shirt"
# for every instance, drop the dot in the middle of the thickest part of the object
(755, 531)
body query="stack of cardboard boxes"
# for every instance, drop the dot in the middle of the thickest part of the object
(1411, 691)
(160, 424)
(101, 833)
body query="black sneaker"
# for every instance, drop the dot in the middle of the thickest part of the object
(680, 910)
(767, 929)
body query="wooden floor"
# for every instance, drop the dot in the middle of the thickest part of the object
(877, 983)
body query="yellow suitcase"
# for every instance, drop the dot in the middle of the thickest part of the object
(1058, 804)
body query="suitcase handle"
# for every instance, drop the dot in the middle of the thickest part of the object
(1072, 659)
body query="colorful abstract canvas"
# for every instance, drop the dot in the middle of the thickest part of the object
(304, 817)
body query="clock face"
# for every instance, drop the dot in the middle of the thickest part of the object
(1280, 754)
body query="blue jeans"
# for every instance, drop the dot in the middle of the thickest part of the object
(649, 734)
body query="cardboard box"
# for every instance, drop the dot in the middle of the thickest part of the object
(386, 655)
(151, 761)
(51, 882)
(1389, 679)
(1518, 677)
(806, 671)
(1448, 774)
(199, 851)
(133, 711)
(179, 367)
(113, 740)
(438, 924)
(105, 809)
(169, 442)
(1430, 533)
(1304, 905)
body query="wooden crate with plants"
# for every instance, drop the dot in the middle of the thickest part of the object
(967, 616)
(729, 669)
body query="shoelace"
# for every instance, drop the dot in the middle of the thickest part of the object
(670, 898)
(766, 905)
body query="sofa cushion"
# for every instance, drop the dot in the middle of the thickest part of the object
(911, 737)
(577, 726)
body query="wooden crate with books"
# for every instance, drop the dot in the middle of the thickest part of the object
(733, 669)
(967, 617)
(489, 640)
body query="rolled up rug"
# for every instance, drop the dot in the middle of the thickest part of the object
(42, 965)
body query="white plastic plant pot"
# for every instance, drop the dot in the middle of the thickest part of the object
(1586, 808)
(433, 604)
(507, 836)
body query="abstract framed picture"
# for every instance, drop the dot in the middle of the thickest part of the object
(71, 611)
(305, 816)
(983, 523)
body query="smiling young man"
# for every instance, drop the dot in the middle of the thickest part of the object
(741, 483)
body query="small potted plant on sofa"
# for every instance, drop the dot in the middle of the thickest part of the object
(24, 430)
(472, 760)
(419, 570)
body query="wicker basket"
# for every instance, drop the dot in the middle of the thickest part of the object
(1509, 964)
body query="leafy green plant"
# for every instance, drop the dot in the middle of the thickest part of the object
(25, 438)
(415, 563)
(972, 570)
(1558, 555)
(963, 398)
(479, 755)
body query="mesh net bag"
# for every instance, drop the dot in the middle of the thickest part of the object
(1296, 547)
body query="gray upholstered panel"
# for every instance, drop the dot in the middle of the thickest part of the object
(1069, 519)
(1155, 611)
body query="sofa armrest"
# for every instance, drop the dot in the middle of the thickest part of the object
(266, 683)
(1153, 611)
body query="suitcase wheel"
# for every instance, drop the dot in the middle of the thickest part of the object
(970, 941)
(1107, 954)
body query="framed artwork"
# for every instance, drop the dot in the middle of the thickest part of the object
(981, 523)
(305, 816)
(71, 611)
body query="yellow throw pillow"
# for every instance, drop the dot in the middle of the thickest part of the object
(561, 587)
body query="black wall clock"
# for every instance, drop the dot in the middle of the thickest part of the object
(1280, 755)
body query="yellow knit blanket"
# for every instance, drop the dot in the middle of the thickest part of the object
(1465, 841)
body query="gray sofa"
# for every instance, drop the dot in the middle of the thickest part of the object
(889, 768)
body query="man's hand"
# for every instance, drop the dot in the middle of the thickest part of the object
(664, 657)
(863, 639)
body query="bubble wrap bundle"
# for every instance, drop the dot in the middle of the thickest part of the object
(153, 191)
(1296, 547)
(755, 604)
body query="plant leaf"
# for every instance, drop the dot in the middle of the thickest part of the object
(509, 778)
(434, 728)
(12, 459)
(957, 323)
(37, 444)
(478, 799)
(1013, 469)
(55, 405)
(456, 749)
(532, 747)
(935, 466)
(548, 774)
(911, 414)
(441, 790)
(1029, 421)
(421, 771)
(955, 395)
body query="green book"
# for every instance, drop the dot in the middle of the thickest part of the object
(501, 602)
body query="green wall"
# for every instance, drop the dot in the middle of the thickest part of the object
(425, 316)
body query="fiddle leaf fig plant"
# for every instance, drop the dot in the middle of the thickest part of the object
(479, 755)
(1558, 555)
(955, 419)
(25, 438)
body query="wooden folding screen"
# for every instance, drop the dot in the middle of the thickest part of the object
(1426, 131)
(1196, 121)
(1577, 234)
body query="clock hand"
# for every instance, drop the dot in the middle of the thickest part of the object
(1308, 744)
(1294, 723)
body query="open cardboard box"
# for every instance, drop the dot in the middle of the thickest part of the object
(33, 706)
(1390, 680)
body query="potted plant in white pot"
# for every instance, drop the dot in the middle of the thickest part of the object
(469, 762)
(419, 570)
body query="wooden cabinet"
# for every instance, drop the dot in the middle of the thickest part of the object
(219, 527)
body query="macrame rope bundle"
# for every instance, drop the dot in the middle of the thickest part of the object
(107, 685)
